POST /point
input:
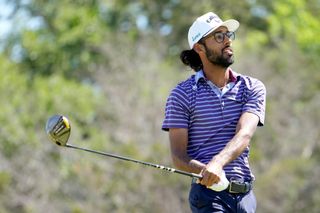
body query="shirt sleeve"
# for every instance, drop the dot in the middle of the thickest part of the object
(256, 101)
(176, 111)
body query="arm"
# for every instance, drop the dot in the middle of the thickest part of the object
(245, 129)
(178, 144)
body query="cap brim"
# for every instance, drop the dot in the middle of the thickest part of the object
(231, 25)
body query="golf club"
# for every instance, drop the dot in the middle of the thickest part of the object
(58, 129)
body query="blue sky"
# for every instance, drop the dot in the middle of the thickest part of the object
(5, 25)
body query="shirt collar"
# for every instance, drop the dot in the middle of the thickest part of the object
(199, 75)
(233, 76)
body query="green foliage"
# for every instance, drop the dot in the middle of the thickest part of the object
(67, 40)
(11, 84)
(26, 107)
(5, 180)
(293, 20)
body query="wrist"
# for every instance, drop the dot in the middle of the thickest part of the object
(196, 166)
(217, 160)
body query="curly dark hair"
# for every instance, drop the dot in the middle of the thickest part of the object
(192, 59)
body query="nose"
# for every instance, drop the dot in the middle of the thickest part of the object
(227, 41)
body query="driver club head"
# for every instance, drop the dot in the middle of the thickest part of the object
(58, 129)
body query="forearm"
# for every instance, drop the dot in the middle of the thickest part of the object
(187, 164)
(180, 158)
(244, 132)
(234, 148)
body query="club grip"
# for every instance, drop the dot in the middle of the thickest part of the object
(221, 185)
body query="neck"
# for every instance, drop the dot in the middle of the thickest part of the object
(217, 75)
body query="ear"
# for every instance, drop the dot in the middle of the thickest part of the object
(199, 48)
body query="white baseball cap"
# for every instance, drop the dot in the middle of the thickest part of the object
(206, 24)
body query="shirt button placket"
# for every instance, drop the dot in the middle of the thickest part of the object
(222, 107)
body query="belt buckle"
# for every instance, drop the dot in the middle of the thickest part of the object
(230, 189)
(237, 186)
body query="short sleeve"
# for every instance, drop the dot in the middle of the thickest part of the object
(256, 100)
(176, 110)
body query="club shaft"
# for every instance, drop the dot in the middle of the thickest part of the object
(136, 161)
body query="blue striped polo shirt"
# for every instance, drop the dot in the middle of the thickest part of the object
(211, 116)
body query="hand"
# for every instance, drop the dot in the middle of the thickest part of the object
(211, 174)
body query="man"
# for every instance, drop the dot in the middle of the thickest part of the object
(211, 118)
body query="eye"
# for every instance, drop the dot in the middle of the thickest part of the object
(219, 36)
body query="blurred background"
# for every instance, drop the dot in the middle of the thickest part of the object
(109, 65)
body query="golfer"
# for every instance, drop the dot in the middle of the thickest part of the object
(212, 116)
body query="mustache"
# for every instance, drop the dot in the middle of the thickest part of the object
(227, 47)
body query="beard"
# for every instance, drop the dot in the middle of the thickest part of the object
(218, 59)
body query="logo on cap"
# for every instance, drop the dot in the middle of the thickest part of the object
(215, 18)
(195, 37)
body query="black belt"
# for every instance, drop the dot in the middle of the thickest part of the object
(239, 187)
(235, 187)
